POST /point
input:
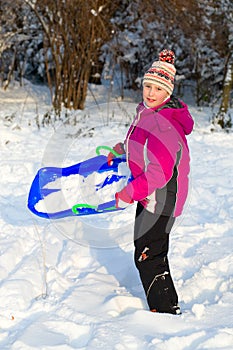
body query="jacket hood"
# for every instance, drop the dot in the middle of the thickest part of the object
(183, 117)
(177, 110)
(174, 110)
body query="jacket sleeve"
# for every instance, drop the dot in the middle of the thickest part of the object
(161, 151)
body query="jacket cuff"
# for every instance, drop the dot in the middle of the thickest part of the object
(123, 199)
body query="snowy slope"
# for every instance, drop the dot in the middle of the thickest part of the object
(71, 283)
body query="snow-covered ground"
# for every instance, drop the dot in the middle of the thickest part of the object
(71, 283)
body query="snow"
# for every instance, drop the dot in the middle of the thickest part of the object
(71, 283)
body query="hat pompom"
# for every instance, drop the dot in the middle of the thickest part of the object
(167, 56)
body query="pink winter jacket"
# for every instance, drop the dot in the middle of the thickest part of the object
(158, 157)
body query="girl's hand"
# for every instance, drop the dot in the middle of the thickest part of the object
(118, 148)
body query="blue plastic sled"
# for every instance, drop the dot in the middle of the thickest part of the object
(50, 174)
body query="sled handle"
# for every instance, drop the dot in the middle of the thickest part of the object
(110, 149)
(84, 205)
(101, 207)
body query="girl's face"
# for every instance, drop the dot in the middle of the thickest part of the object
(153, 95)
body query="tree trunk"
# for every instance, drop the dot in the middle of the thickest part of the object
(223, 118)
(75, 31)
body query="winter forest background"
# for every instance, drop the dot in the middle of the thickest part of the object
(69, 44)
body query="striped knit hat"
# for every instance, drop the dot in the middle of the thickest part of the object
(162, 72)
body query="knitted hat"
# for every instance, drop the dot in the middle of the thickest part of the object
(162, 72)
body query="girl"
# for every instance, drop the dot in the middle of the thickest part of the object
(158, 157)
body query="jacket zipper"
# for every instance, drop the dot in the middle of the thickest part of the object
(127, 139)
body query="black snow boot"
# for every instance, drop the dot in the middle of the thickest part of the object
(161, 295)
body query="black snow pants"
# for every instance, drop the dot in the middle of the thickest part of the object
(151, 240)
